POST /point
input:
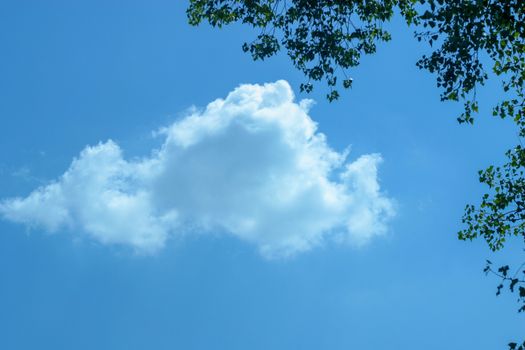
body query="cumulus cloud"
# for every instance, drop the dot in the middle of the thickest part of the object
(252, 165)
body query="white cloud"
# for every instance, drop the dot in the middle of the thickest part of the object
(252, 165)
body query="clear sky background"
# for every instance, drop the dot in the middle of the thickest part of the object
(77, 73)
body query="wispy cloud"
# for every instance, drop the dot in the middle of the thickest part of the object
(252, 165)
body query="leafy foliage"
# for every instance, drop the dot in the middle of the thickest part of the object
(515, 283)
(323, 38)
(501, 213)
(467, 30)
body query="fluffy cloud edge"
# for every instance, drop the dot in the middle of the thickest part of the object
(252, 165)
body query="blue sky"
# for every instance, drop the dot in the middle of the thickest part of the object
(235, 270)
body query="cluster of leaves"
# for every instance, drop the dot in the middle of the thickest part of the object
(515, 346)
(502, 212)
(323, 38)
(515, 284)
(468, 31)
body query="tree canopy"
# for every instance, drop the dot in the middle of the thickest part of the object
(470, 41)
